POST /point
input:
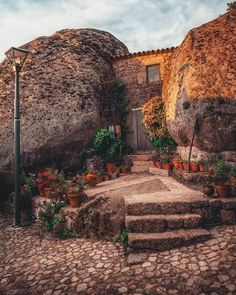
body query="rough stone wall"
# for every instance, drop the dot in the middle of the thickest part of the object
(201, 81)
(133, 72)
(60, 97)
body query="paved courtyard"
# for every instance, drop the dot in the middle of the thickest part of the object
(34, 262)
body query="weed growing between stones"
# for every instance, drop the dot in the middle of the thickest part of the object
(123, 237)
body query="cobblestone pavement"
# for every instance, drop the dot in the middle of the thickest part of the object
(34, 262)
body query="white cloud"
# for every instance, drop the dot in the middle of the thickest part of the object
(140, 24)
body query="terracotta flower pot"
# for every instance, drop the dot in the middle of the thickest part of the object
(91, 178)
(186, 166)
(157, 164)
(194, 167)
(176, 164)
(223, 190)
(110, 168)
(202, 168)
(75, 199)
(181, 166)
(167, 166)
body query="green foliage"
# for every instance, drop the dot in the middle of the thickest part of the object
(114, 105)
(221, 171)
(47, 211)
(106, 146)
(233, 171)
(50, 218)
(161, 143)
(123, 237)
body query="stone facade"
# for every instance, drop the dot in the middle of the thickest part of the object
(132, 70)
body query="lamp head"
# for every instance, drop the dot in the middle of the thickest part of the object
(17, 56)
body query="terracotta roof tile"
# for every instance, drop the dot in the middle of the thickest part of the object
(148, 52)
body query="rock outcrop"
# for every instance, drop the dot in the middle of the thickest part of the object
(60, 90)
(201, 81)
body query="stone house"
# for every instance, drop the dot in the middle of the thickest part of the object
(142, 73)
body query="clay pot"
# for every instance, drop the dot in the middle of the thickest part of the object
(167, 166)
(75, 199)
(157, 164)
(47, 191)
(194, 167)
(202, 168)
(223, 190)
(176, 164)
(110, 168)
(181, 166)
(186, 166)
(208, 190)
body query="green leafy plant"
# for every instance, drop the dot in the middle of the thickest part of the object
(123, 237)
(221, 171)
(47, 211)
(106, 145)
(52, 220)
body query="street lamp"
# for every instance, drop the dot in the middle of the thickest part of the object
(17, 57)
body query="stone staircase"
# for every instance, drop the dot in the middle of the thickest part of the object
(141, 163)
(164, 220)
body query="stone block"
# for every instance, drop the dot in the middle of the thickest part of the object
(228, 216)
(160, 172)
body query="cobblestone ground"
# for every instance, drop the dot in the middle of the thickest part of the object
(34, 262)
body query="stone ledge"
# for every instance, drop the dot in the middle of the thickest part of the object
(160, 172)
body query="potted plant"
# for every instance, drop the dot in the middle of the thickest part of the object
(181, 165)
(176, 161)
(221, 177)
(155, 157)
(202, 165)
(166, 162)
(76, 195)
(108, 147)
(186, 166)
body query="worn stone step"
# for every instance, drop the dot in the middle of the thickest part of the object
(164, 203)
(161, 172)
(143, 163)
(161, 223)
(139, 169)
(141, 157)
(167, 240)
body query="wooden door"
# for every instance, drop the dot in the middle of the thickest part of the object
(141, 142)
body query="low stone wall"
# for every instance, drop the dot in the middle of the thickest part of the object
(98, 217)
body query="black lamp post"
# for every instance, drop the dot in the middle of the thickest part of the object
(17, 57)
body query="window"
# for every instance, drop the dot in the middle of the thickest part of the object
(153, 73)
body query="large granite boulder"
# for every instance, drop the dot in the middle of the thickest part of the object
(61, 89)
(201, 81)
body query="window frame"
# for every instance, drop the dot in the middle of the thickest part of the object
(147, 75)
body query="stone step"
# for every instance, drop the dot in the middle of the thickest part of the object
(161, 223)
(139, 169)
(151, 204)
(144, 157)
(161, 172)
(143, 163)
(167, 240)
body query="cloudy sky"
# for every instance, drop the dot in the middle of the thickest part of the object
(140, 24)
